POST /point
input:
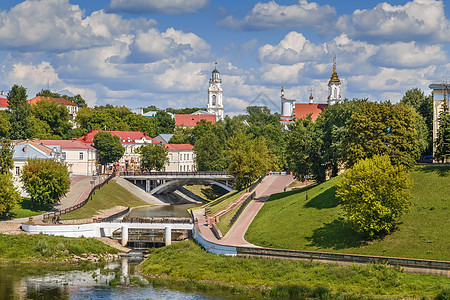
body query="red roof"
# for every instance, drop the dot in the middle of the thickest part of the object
(67, 144)
(3, 102)
(179, 147)
(126, 137)
(57, 100)
(301, 110)
(192, 120)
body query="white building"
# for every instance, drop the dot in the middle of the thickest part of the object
(81, 158)
(215, 96)
(441, 94)
(181, 158)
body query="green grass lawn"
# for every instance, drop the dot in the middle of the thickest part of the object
(40, 247)
(110, 195)
(289, 221)
(23, 209)
(188, 263)
(208, 192)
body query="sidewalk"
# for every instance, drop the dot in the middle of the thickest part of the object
(235, 236)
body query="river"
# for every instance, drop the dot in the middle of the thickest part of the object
(20, 282)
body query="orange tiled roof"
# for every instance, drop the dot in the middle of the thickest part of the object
(192, 120)
(301, 110)
(3, 102)
(126, 137)
(57, 100)
(179, 147)
(67, 144)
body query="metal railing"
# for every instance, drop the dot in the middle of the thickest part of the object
(155, 220)
(81, 204)
(172, 173)
(242, 207)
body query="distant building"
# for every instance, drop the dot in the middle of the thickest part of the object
(71, 106)
(441, 94)
(163, 138)
(181, 158)
(81, 158)
(192, 120)
(131, 140)
(215, 96)
(291, 110)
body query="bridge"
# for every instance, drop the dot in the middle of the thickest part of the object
(106, 229)
(159, 182)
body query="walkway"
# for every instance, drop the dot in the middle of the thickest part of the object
(235, 237)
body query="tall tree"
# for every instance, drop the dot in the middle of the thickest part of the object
(20, 112)
(164, 122)
(9, 196)
(109, 148)
(154, 156)
(210, 153)
(382, 129)
(443, 136)
(374, 194)
(45, 180)
(141, 123)
(6, 156)
(5, 125)
(55, 115)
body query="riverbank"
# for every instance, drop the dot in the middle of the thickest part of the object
(188, 264)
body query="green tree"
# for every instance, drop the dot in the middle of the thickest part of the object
(164, 122)
(45, 180)
(55, 115)
(443, 136)
(5, 125)
(77, 99)
(141, 123)
(20, 112)
(9, 196)
(304, 151)
(382, 129)
(182, 136)
(374, 193)
(248, 159)
(109, 148)
(6, 156)
(103, 118)
(210, 153)
(260, 115)
(154, 156)
(41, 130)
(150, 108)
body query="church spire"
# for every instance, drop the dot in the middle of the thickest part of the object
(334, 86)
(334, 77)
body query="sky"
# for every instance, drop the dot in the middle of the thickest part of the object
(139, 53)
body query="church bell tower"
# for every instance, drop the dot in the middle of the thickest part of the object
(334, 86)
(215, 104)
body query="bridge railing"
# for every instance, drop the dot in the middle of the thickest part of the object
(166, 220)
(172, 173)
(242, 207)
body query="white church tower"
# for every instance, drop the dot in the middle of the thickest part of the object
(215, 98)
(334, 86)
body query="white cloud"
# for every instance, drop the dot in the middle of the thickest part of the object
(157, 6)
(420, 20)
(272, 15)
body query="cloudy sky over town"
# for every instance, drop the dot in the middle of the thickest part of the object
(152, 52)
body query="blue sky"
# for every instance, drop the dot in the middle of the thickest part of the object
(151, 52)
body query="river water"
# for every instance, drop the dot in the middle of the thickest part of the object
(17, 283)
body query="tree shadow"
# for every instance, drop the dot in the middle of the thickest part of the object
(326, 199)
(336, 235)
(442, 171)
(288, 193)
(213, 192)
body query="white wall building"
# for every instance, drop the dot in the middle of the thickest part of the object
(215, 96)
(181, 158)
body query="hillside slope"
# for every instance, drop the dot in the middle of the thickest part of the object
(288, 220)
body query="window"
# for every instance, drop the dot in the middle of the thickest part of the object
(213, 102)
(81, 155)
(17, 171)
(181, 168)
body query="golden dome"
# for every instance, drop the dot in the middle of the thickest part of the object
(334, 77)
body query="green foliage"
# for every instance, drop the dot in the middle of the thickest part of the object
(141, 123)
(210, 152)
(9, 196)
(55, 115)
(150, 108)
(5, 125)
(382, 129)
(444, 294)
(109, 148)
(181, 136)
(443, 136)
(103, 118)
(41, 129)
(183, 111)
(154, 156)
(248, 159)
(163, 122)
(20, 112)
(304, 151)
(77, 99)
(374, 193)
(45, 180)
(6, 156)
(26, 208)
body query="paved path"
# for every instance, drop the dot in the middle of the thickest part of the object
(235, 237)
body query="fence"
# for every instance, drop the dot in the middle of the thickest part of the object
(81, 204)
(241, 208)
(254, 185)
(172, 173)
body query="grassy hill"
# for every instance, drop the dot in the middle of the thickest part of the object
(289, 220)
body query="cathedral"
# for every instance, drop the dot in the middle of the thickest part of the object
(215, 98)
(291, 110)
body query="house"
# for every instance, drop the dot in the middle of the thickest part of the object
(3, 101)
(181, 158)
(131, 140)
(23, 150)
(81, 158)
(71, 107)
(192, 120)
(163, 138)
